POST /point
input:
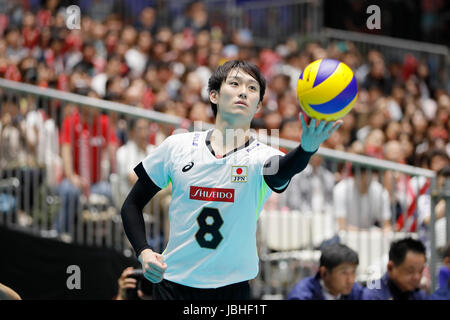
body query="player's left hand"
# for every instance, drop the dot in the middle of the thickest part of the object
(313, 136)
(153, 265)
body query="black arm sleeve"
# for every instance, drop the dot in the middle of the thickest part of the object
(288, 166)
(131, 212)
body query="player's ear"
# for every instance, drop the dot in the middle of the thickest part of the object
(214, 96)
(258, 107)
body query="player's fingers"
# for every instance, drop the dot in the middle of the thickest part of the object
(321, 125)
(155, 272)
(163, 264)
(336, 126)
(155, 265)
(160, 262)
(312, 124)
(302, 121)
(328, 127)
(160, 257)
(152, 278)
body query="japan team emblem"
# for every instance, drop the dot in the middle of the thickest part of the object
(239, 174)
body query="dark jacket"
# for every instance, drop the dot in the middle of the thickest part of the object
(443, 293)
(310, 289)
(387, 290)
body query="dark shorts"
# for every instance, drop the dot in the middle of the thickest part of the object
(168, 290)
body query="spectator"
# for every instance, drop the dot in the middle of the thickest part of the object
(373, 144)
(335, 279)
(20, 129)
(200, 112)
(316, 196)
(378, 76)
(377, 120)
(404, 273)
(136, 57)
(15, 51)
(361, 202)
(147, 21)
(88, 144)
(133, 286)
(443, 291)
(195, 18)
(273, 120)
(130, 154)
(99, 10)
(290, 129)
(401, 192)
(86, 65)
(424, 211)
(114, 67)
(438, 160)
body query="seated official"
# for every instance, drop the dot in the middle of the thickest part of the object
(443, 291)
(335, 279)
(404, 272)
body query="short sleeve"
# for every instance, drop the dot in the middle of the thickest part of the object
(158, 163)
(266, 154)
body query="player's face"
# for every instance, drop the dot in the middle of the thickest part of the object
(238, 96)
(408, 274)
(341, 279)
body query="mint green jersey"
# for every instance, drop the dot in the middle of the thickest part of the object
(214, 208)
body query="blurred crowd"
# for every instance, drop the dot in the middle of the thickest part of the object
(401, 114)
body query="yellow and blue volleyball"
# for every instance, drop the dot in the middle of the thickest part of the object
(327, 89)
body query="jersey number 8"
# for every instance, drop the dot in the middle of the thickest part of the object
(208, 236)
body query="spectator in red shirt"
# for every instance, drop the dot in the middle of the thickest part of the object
(88, 141)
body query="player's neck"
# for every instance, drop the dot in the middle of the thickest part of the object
(225, 138)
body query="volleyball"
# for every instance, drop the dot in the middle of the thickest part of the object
(327, 89)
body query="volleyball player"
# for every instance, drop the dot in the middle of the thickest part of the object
(219, 186)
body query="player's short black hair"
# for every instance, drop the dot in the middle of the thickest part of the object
(400, 248)
(336, 254)
(221, 73)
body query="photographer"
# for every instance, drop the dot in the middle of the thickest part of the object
(133, 286)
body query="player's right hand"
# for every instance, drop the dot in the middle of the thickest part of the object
(153, 265)
(313, 136)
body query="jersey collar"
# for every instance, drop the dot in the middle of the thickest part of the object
(208, 145)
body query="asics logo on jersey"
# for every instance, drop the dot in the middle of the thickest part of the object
(188, 167)
(211, 194)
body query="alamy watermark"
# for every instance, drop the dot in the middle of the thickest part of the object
(74, 280)
(373, 277)
(374, 20)
(73, 17)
